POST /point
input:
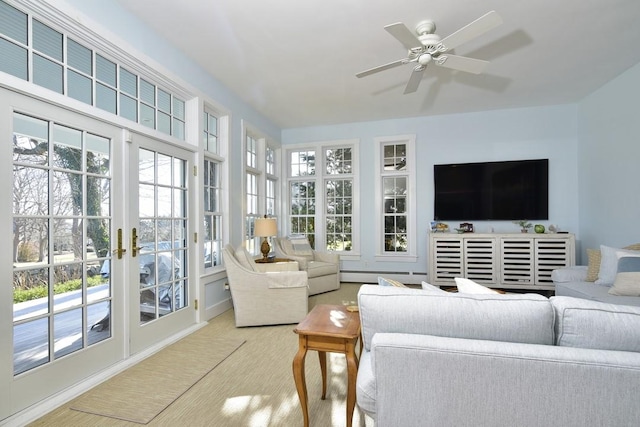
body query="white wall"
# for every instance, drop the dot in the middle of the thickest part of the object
(544, 132)
(609, 163)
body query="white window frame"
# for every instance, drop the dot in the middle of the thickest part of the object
(320, 178)
(254, 157)
(220, 156)
(410, 173)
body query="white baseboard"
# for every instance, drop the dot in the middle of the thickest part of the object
(217, 309)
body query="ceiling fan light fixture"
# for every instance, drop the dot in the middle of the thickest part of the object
(424, 59)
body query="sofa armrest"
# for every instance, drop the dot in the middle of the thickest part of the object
(576, 273)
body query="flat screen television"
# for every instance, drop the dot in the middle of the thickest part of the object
(507, 190)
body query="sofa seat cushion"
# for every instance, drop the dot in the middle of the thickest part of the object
(589, 290)
(366, 385)
(319, 268)
(526, 318)
(591, 324)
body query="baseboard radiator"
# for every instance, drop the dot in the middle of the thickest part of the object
(408, 278)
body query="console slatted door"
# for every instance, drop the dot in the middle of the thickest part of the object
(551, 254)
(517, 261)
(479, 260)
(448, 261)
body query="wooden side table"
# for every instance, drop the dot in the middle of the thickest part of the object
(327, 328)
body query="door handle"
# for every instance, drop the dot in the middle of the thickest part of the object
(120, 250)
(134, 243)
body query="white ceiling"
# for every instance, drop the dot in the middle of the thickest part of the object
(295, 61)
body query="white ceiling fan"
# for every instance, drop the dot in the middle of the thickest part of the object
(426, 47)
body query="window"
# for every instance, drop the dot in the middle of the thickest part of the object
(214, 179)
(61, 64)
(261, 183)
(395, 189)
(326, 218)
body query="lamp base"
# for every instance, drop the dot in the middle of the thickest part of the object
(265, 248)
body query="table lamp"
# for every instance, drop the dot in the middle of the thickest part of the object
(265, 227)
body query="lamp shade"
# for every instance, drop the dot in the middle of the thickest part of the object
(266, 227)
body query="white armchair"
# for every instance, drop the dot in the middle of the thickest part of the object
(323, 268)
(264, 298)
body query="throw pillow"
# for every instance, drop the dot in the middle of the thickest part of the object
(593, 267)
(430, 288)
(301, 247)
(389, 282)
(466, 286)
(609, 264)
(627, 281)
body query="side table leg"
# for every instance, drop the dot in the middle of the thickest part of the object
(322, 355)
(352, 372)
(299, 377)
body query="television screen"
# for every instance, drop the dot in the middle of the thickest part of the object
(509, 190)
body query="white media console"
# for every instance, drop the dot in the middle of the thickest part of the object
(508, 261)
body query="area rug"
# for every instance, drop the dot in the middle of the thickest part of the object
(143, 391)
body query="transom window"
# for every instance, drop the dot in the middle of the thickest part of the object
(35, 52)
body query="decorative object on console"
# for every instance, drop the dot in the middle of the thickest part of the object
(466, 227)
(442, 227)
(265, 228)
(524, 225)
(538, 228)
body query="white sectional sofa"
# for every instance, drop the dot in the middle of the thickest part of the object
(571, 282)
(605, 279)
(438, 359)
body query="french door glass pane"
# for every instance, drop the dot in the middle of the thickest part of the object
(162, 235)
(59, 251)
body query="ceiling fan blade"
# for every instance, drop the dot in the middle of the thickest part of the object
(480, 26)
(381, 68)
(461, 63)
(403, 35)
(414, 80)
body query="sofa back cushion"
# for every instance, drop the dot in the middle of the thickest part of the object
(592, 324)
(525, 318)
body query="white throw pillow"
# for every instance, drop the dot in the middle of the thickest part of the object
(466, 286)
(609, 264)
(433, 289)
(627, 281)
(382, 281)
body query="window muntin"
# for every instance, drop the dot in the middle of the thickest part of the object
(74, 75)
(302, 205)
(338, 215)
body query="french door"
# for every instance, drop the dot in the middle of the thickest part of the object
(158, 199)
(98, 265)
